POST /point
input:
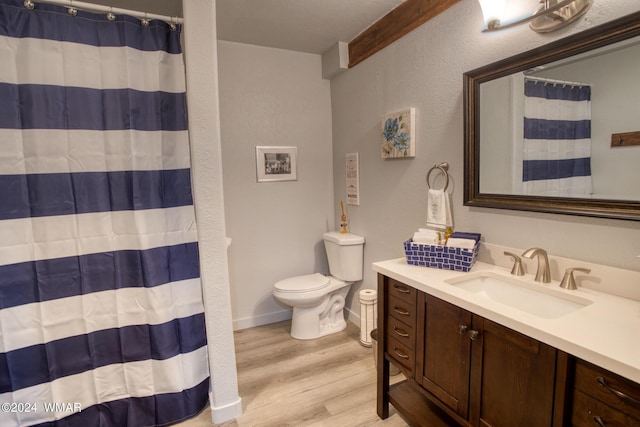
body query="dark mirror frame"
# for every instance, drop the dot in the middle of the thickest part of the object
(611, 32)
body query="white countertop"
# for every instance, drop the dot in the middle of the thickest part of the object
(605, 333)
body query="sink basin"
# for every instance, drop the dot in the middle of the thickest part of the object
(531, 298)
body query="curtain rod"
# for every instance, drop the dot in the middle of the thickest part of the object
(556, 82)
(116, 10)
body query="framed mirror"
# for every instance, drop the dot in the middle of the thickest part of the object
(557, 129)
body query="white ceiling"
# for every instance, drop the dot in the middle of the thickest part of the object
(311, 26)
(302, 25)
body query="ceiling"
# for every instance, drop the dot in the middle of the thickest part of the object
(311, 26)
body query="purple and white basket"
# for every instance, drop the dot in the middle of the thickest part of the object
(438, 256)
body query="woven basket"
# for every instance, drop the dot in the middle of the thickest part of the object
(438, 256)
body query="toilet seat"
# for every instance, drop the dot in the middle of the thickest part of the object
(306, 283)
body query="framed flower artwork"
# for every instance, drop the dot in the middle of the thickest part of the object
(398, 134)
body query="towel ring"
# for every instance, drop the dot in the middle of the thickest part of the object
(442, 167)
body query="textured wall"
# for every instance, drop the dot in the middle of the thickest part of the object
(204, 133)
(424, 70)
(273, 97)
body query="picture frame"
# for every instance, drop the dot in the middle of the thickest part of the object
(276, 163)
(398, 135)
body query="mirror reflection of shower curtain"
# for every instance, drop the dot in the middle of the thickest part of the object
(101, 311)
(557, 138)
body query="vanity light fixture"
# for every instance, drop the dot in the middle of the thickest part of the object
(550, 16)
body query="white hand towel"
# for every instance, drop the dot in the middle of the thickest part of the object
(461, 243)
(438, 209)
(425, 236)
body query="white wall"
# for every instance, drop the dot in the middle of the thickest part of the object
(273, 97)
(424, 70)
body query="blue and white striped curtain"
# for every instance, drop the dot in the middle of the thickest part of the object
(101, 312)
(557, 139)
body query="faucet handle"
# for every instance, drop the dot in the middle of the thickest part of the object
(517, 269)
(568, 281)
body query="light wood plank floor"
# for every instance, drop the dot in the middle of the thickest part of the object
(330, 381)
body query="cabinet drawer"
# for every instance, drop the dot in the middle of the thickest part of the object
(590, 412)
(402, 311)
(401, 332)
(618, 392)
(401, 291)
(401, 354)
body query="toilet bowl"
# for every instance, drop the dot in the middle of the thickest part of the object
(318, 304)
(318, 300)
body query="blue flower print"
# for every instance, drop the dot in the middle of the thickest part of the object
(401, 141)
(390, 129)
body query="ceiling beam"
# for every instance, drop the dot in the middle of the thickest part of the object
(408, 16)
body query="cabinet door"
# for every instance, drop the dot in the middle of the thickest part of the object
(513, 377)
(444, 349)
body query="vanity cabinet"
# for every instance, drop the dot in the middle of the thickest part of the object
(601, 398)
(465, 370)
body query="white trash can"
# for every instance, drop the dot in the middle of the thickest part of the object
(368, 315)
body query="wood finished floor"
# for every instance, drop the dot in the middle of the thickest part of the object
(330, 381)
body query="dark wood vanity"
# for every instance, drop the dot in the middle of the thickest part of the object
(465, 370)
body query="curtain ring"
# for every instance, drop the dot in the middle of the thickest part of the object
(172, 24)
(28, 4)
(111, 16)
(144, 21)
(72, 10)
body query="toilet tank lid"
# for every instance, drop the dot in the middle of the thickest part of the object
(309, 282)
(343, 238)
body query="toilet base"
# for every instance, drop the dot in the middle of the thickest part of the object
(325, 319)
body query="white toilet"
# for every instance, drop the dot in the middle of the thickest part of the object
(317, 300)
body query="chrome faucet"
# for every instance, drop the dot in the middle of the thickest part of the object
(543, 274)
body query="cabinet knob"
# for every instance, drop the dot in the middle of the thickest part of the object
(462, 329)
(473, 335)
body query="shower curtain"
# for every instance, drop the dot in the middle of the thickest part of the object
(101, 312)
(557, 139)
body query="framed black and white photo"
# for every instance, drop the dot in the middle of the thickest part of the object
(276, 164)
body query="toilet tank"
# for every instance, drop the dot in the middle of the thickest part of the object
(344, 252)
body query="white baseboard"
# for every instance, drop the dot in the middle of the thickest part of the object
(265, 319)
(353, 317)
(225, 413)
